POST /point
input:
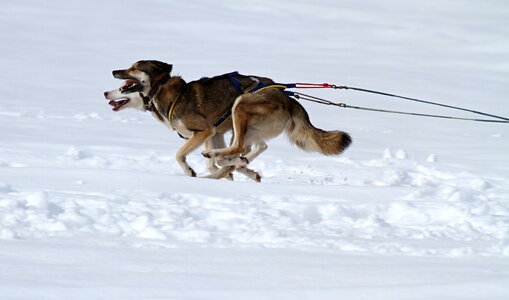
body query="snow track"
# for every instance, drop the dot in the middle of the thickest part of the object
(420, 210)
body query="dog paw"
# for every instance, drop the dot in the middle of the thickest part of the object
(241, 162)
(190, 172)
(250, 174)
(229, 177)
(258, 178)
(207, 154)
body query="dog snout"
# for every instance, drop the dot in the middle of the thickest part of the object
(120, 74)
(106, 95)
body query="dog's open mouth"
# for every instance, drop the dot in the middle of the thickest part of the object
(130, 86)
(118, 103)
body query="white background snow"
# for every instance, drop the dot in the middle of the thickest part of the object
(94, 206)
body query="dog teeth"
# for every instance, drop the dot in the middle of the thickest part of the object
(128, 84)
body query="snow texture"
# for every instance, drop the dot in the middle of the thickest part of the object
(94, 206)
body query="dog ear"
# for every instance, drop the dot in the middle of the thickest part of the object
(153, 67)
(165, 68)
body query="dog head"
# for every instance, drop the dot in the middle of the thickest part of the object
(144, 72)
(129, 95)
(139, 79)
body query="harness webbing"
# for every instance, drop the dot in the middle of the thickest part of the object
(238, 87)
(261, 86)
(258, 87)
(172, 106)
(235, 82)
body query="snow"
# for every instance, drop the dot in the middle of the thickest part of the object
(94, 206)
(78, 269)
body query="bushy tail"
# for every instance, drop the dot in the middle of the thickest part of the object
(309, 138)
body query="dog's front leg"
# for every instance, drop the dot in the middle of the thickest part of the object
(215, 142)
(198, 138)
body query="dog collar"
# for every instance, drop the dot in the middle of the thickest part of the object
(149, 106)
(148, 100)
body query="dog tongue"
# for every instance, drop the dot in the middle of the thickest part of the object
(116, 104)
(113, 104)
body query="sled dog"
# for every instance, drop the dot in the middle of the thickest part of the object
(203, 110)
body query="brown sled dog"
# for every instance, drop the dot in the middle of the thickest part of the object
(129, 96)
(197, 110)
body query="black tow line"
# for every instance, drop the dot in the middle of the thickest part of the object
(297, 95)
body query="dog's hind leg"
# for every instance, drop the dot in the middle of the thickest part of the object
(226, 171)
(239, 120)
(249, 173)
(258, 149)
(241, 161)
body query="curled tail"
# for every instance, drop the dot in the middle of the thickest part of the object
(309, 138)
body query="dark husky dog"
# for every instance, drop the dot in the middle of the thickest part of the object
(129, 96)
(199, 111)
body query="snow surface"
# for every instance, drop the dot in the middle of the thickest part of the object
(94, 206)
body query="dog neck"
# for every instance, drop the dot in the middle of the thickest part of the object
(166, 95)
(157, 83)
